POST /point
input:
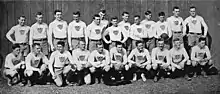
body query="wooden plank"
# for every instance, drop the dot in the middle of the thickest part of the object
(37, 6)
(161, 6)
(49, 8)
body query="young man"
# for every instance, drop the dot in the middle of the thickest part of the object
(93, 33)
(60, 64)
(160, 61)
(162, 26)
(195, 23)
(139, 60)
(119, 61)
(36, 65)
(137, 31)
(176, 24)
(76, 31)
(179, 60)
(80, 57)
(102, 15)
(201, 58)
(126, 25)
(115, 33)
(39, 34)
(14, 66)
(100, 61)
(20, 33)
(149, 34)
(57, 31)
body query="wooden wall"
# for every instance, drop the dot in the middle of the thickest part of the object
(10, 10)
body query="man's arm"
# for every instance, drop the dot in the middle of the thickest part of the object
(70, 35)
(185, 22)
(112, 56)
(91, 59)
(28, 63)
(130, 56)
(107, 57)
(193, 54)
(205, 27)
(87, 33)
(186, 56)
(8, 35)
(45, 60)
(51, 62)
(106, 32)
(148, 58)
(31, 36)
(124, 34)
(50, 33)
(208, 54)
(125, 57)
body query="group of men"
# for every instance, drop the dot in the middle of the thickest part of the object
(107, 50)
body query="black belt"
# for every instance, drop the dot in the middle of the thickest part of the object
(79, 38)
(177, 32)
(42, 39)
(95, 40)
(58, 67)
(23, 43)
(60, 38)
(195, 33)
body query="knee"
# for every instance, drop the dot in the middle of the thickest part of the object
(79, 68)
(154, 66)
(194, 63)
(29, 73)
(44, 67)
(107, 68)
(148, 67)
(210, 62)
(92, 69)
(87, 79)
(59, 83)
(188, 62)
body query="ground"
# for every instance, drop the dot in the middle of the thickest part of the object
(199, 85)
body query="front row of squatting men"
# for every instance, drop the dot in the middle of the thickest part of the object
(59, 35)
(111, 66)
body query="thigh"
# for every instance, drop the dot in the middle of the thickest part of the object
(134, 44)
(45, 47)
(55, 43)
(75, 43)
(92, 45)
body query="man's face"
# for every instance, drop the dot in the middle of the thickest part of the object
(82, 45)
(114, 22)
(16, 51)
(192, 12)
(161, 18)
(176, 12)
(161, 44)
(39, 18)
(125, 17)
(102, 15)
(60, 48)
(76, 18)
(202, 44)
(37, 49)
(177, 44)
(58, 16)
(21, 21)
(148, 16)
(119, 48)
(136, 20)
(100, 48)
(140, 46)
(97, 20)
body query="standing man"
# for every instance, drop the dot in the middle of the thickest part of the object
(76, 31)
(39, 34)
(100, 61)
(160, 61)
(115, 33)
(137, 31)
(195, 23)
(176, 25)
(149, 33)
(60, 64)
(139, 60)
(179, 59)
(36, 65)
(57, 31)
(102, 15)
(80, 57)
(126, 25)
(21, 34)
(14, 66)
(201, 58)
(93, 33)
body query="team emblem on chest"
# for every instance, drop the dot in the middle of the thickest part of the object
(162, 27)
(148, 26)
(126, 27)
(22, 32)
(40, 30)
(60, 26)
(97, 31)
(194, 21)
(176, 22)
(62, 59)
(116, 32)
(139, 30)
(82, 57)
(77, 28)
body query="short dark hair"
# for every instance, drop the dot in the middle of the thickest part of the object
(76, 13)
(147, 12)
(103, 10)
(61, 43)
(14, 46)
(99, 43)
(35, 44)
(137, 16)
(176, 39)
(118, 43)
(202, 39)
(57, 10)
(125, 12)
(175, 7)
(161, 14)
(39, 13)
(160, 39)
(22, 16)
(137, 42)
(192, 7)
(96, 15)
(114, 18)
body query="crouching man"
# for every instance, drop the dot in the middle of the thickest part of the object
(100, 61)
(179, 58)
(119, 62)
(140, 61)
(36, 65)
(201, 58)
(14, 66)
(80, 57)
(60, 64)
(160, 61)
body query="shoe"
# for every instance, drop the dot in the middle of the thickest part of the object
(21, 84)
(29, 84)
(195, 75)
(143, 77)
(155, 79)
(135, 77)
(204, 75)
